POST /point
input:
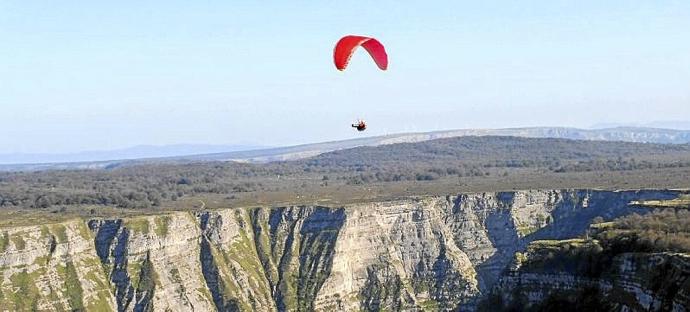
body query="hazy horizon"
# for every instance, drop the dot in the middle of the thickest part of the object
(189, 149)
(98, 76)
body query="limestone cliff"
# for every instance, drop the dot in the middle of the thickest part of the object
(426, 253)
(52, 267)
(631, 282)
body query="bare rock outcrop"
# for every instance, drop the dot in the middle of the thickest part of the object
(424, 253)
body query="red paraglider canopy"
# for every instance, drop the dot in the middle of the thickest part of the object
(347, 45)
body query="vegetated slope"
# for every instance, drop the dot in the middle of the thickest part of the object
(635, 262)
(469, 163)
(426, 253)
(506, 152)
(627, 134)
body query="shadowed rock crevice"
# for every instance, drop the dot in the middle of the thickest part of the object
(285, 295)
(146, 286)
(209, 266)
(575, 213)
(124, 291)
(263, 234)
(112, 247)
(319, 235)
(382, 290)
(295, 246)
(212, 278)
(448, 284)
(106, 230)
(502, 233)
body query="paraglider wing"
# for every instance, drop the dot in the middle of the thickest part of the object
(347, 45)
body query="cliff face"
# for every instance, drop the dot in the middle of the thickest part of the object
(52, 267)
(417, 254)
(632, 282)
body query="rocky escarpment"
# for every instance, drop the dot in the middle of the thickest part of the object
(544, 279)
(52, 267)
(432, 253)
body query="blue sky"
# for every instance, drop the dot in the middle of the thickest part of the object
(86, 75)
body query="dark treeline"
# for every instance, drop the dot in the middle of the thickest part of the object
(129, 187)
(480, 156)
(664, 230)
(143, 186)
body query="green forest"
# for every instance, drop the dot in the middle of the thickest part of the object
(464, 162)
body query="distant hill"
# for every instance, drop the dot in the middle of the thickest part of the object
(135, 152)
(477, 163)
(663, 124)
(625, 134)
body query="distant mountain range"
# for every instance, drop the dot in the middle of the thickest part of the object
(200, 153)
(135, 152)
(663, 124)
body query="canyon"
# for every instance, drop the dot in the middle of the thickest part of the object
(417, 253)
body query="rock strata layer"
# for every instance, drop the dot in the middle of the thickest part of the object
(426, 253)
